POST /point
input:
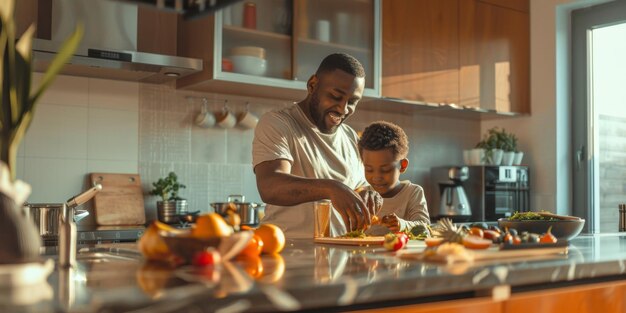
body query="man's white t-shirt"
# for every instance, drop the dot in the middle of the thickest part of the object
(288, 134)
(409, 205)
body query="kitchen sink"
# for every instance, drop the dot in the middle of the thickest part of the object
(97, 254)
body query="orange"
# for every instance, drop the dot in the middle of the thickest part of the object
(272, 236)
(251, 264)
(211, 225)
(273, 268)
(254, 247)
(153, 277)
(152, 245)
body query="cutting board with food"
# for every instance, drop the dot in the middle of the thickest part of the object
(374, 240)
(453, 253)
(120, 202)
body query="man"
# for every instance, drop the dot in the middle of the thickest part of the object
(306, 153)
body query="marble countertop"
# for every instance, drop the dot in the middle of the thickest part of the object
(305, 276)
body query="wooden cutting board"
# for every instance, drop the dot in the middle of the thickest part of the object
(374, 240)
(491, 254)
(120, 202)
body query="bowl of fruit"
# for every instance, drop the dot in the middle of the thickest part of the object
(561, 226)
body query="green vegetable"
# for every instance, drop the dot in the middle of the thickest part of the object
(419, 232)
(530, 216)
(359, 233)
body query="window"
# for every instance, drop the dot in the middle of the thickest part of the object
(599, 114)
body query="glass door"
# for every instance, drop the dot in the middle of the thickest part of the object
(599, 114)
(256, 38)
(328, 26)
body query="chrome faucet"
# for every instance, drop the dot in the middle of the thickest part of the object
(67, 237)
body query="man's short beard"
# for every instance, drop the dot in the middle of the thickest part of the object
(316, 115)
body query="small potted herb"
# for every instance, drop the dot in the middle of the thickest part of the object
(171, 204)
(499, 146)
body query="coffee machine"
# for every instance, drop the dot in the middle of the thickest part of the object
(453, 202)
(493, 191)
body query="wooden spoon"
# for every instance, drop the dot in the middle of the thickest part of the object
(560, 217)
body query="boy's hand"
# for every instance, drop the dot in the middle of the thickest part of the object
(392, 222)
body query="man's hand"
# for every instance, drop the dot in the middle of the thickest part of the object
(350, 205)
(392, 222)
(373, 201)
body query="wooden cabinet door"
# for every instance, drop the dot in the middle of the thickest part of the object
(479, 305)
(603, 297)
(520, 5)
(495, 57)
(421, 50)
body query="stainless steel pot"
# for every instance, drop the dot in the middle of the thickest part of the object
(46, 215)
(248, 211)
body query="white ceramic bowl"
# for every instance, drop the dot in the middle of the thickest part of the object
(250, 65)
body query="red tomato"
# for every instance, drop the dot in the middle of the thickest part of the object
(207, 257)
(403, 236)
(490, 234)
(475, 242)
(394, 242)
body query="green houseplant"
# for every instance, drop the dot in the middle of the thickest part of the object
(171, 204)
(499, 145)
(18, 97)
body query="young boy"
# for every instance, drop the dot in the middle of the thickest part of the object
(384, 147)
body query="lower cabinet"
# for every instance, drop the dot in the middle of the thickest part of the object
(474, 305)
(602, 297)
(608, 297)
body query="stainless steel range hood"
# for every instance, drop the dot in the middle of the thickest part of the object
(109, 47)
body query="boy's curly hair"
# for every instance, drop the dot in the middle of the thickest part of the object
(384, 135)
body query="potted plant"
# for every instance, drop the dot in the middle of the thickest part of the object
(500, 147)
(492, 144)
(171, 204)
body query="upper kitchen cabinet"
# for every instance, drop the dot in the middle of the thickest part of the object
(270, 48)
(495, 56)
(468, 55)
(421, 50)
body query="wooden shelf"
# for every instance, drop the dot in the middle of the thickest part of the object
(394, 105)
(241, 33)
(316, 44)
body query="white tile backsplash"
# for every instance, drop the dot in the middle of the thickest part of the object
(54, 179)
(110, 94)
(164, 137)
(65, 90)
(57, 131)
(113, 134)
(112, 166)
(208, 145)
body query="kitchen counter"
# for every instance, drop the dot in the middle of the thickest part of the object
(308, 276)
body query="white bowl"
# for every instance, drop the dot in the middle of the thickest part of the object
(250, 65)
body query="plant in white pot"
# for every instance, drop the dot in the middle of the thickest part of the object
(171, 205)
(493, 142)
(506, 143)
